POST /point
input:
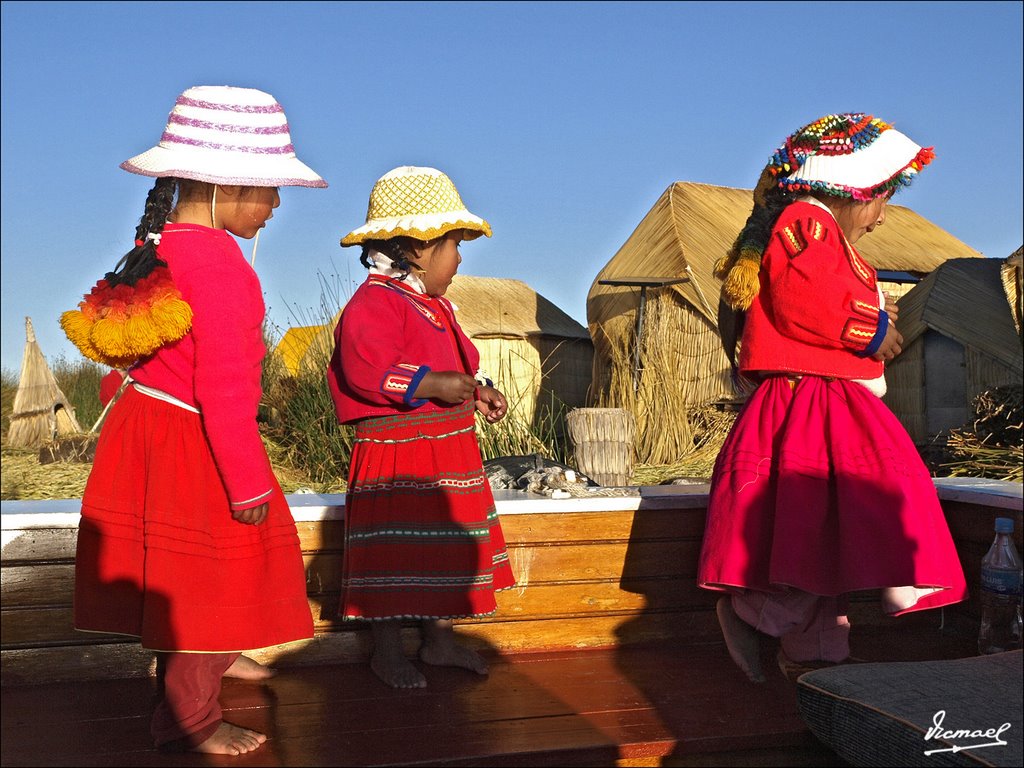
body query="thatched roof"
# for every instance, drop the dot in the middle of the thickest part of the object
(492, 307)
(964, 299)
(693, 225)
(293, 345)
(1012, 275)
(41, 411)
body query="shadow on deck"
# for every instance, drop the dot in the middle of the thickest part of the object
(645, 704)
(606, 654)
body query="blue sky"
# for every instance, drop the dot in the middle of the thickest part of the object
(560, 123)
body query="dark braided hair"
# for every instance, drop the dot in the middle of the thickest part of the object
(758, 229)
(142, 259)
(738, 269)
(397, 249)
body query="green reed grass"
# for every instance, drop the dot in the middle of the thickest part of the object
(8, 389)
(79, 380)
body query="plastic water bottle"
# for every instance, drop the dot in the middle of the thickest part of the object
(1000, 593)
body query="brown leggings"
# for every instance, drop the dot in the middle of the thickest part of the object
(188, 712)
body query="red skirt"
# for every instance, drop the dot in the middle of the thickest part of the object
(422, 537)
(159, 555)
(819, 487)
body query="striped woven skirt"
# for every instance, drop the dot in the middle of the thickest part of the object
(422, 537)
(819, 487)
(159, 555)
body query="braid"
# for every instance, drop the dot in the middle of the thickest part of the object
(142, 259)
(758, 229)
(135, 309)
(738, 269)
(159, 203)
(393, 249)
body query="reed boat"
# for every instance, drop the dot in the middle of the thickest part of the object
(605, 653)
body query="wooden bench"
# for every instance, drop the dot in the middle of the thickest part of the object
(606, 649)
(591, 573)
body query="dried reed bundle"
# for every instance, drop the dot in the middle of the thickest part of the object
(41, 411)
(711, 426)
(682, 366)
(992, 446)
(80, 448)
(603, 440)
(24, 478)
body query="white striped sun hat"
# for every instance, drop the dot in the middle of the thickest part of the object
(416, 202)
(226, 135)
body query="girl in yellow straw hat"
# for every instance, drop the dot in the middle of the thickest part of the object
(422, 539)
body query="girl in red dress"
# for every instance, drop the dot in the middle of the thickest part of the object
(422, 538)
(818, 490)
(186, 540)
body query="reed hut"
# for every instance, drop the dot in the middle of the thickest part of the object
(41, 412)
(677, 363)
(961, 331)
(306, 347)
(533, 350)
(1010, 274)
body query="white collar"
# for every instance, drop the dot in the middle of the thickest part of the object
(384, 266)
(817, 202)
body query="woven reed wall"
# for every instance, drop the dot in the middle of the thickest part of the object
(567, 366)
(534, 368)
(895, 291)
(682, 366)
(293, 350)
(983, 372)
(904, 378)
(907, 382)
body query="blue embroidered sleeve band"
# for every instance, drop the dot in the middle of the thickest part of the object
(410, 398)
(879, 337)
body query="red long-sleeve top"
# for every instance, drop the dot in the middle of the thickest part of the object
(216, 367)
(817, 309)
(388, 338)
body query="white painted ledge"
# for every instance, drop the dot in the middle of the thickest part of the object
(313, 507)
(976, 490)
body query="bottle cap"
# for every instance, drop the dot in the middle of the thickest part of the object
(1004, 525)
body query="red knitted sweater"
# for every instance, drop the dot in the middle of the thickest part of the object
(216, 367)
(817, 310)
(388, 338)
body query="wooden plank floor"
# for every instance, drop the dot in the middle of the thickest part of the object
(660, 704)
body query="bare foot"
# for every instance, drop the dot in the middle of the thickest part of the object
(245, 668)
(388, 661)
(453, 656)
(441, 650)
(897, 599)
(741, 639)
(397, 671)
(230, 739)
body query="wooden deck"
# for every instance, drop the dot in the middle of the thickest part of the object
(643, 704)
(606, 653)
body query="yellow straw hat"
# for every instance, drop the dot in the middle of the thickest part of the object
(416, 202)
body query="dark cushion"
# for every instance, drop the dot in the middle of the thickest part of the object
(891, 713)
